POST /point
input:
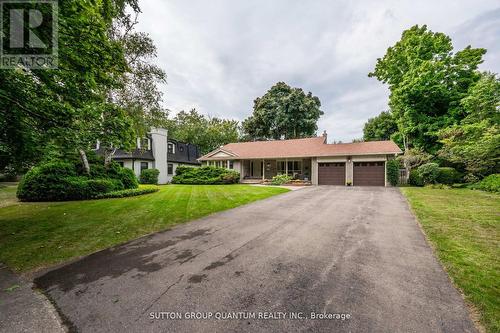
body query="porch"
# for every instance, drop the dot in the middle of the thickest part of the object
(261, 169)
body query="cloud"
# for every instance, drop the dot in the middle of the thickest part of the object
(220, 55)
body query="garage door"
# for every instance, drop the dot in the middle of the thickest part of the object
(369, 174)
(331, 173)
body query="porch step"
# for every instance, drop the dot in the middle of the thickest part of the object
(251, 181)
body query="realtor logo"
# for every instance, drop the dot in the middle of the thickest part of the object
(28, 34)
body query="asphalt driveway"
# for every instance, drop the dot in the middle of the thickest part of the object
(355, 253)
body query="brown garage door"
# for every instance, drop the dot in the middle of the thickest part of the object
(369, 174)
(331, 173)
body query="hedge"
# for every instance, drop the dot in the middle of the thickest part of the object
(393, 172)
(64, 180)
(206, 175)
(149, 176)
(127, 193)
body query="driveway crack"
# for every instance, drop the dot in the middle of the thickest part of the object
(162, 294)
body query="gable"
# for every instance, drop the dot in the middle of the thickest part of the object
(221, 154)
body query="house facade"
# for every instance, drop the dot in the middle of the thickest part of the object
(157, 151)
(312, 159)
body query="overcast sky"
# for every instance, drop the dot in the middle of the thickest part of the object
(220, 55)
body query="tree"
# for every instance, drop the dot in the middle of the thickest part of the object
(475, 142)
(283, 113)
(138, 93)
(380, 127)
(206, 132)
(45, 107)
(427, 82)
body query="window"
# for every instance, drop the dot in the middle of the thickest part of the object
(181, 149)
(231, 164)
(144, 166)
(170, 148)
(170, 169)
(294, 167)
(144, 144)
(120, 163)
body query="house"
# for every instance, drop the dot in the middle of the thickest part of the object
(313, 159)
(157, 151)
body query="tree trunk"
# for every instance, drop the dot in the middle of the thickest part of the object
(85, 161)
(108, 155)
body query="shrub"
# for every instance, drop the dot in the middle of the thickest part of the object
(57, 181)
(96, 186)
(490, 183)
(393, 172)
(128, 178)
(429, 173)
(449, 176)
(280, 179)
(127, 193)
(45, 182)
(415, 178)
(205, 175)
(231, 177)
(149, 176)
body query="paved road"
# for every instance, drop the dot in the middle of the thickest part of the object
(355, 251)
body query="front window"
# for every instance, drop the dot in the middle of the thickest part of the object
(120, 163)
(170, 169)
(231, 164)
(144, 166)
(170, 148)
(294, 167)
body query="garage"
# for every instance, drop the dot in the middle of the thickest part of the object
(369, 174)
(331, 173)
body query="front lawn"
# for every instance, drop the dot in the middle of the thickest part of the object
(464, 227)
(33, 235)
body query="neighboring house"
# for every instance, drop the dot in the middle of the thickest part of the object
(313, 159)
(157, 151)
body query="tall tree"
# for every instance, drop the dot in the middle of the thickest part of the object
(47, 106)
(427, 82)
(283, 113)
(381, 127)
(474, 144)
(206, 132)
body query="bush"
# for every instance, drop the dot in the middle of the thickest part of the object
(128, 178)
(393, 172)
(280, 179)
(490, 183)
(206, 175)
(45, 182)
(415, 178)
(58, 181)
(127, 193)
(429, 173)
(149, 176)
(449, 176)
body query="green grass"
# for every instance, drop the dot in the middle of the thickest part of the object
(7, 195)
(34, 235)
(464, 227)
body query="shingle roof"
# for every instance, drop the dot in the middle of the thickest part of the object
(134, 154)
(308, 147)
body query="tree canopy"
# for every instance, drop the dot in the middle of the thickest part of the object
(103, 89)
(283, 113)
(206, 132)
(427, 82)
(380, 127)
